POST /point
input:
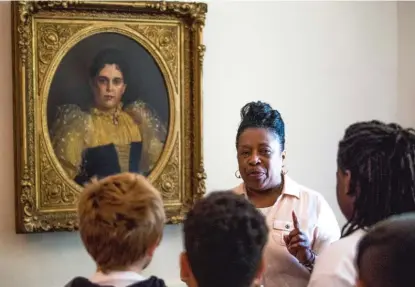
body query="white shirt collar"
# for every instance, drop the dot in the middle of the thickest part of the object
(117, 278)
(290, 188)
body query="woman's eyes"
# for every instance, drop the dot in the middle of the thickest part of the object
(262, 151)
(117, 82)
(102, 80)
(105, 81)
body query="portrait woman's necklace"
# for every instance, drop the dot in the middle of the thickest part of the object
(115, 116)
(115, 119)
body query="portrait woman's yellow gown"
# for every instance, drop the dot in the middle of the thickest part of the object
(95, 143)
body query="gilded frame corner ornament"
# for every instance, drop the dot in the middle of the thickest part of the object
(45, 196)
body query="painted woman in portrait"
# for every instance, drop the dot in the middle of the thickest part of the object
(107, 138)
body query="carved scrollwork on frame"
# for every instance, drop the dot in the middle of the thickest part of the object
(54, 189)
(34, 222)
(165, 39)
(25, 9)
(26, 198)
(195, 11)
(169, 182)
(201, 178)
(24, 12)
(50, 38)
(44, 33)
(201, 49)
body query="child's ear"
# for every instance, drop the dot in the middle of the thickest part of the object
(185, 271)
(260, 273)
(359, 283)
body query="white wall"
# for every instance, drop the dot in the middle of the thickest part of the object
(323, 65)
(406, 60)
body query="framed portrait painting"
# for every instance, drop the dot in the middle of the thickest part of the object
(100, 88)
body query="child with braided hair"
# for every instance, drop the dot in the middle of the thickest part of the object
(375, 179)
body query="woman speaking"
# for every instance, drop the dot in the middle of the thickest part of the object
(301, 222)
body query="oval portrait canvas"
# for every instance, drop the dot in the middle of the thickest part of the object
(107, 109)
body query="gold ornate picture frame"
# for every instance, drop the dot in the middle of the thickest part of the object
(61, 132)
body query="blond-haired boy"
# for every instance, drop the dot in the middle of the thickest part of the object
(121, 220)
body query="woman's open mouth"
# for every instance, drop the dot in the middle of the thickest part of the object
(256, 174)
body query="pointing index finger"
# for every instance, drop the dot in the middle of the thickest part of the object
(295, 220)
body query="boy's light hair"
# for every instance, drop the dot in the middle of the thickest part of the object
(120, 218)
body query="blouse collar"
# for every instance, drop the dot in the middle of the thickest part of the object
(112, 115)
(290, 188)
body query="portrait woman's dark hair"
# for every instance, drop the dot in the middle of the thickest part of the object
(109, 57)
(381, 161)
(261, 115)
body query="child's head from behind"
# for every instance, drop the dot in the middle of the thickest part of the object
(376, 174)
(121, 220)
(385, 254)
(224, 238)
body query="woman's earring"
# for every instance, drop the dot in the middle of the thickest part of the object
(257, 283)
(284, 170)
(237, 174)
